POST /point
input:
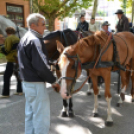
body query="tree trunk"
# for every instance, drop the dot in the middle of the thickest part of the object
(94, 8)
(132, 11)
(51, 24)
(31, 5)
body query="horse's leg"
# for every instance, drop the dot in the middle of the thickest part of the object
(64, 110)
(99, 85)
(70, 112)
(107, 79)
(132, 78)
(124, 80)
(96, 91)
(132, 90)
(90, 85)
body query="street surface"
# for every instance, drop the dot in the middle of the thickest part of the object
(12, 112)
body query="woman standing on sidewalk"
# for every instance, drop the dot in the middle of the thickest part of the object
(10, 50)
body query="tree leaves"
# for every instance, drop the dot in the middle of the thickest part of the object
(59, 8)
(53, 9)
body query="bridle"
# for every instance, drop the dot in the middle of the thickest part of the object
(76, 66)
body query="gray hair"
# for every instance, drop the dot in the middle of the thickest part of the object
(34, 18)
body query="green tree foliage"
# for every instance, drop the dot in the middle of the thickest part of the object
(53, 9)
(127, 5)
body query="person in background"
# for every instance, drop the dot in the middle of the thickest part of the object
(123, 23)
(9, 48)
(92, 26)
(34, 72)
(105, 27)
(130, 26)
(83, 25)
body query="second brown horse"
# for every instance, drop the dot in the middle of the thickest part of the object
(85, 50)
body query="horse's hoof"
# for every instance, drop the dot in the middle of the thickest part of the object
(70, 114)
(109, 123)
(99, 96)
(122, 95)
(118, 104)
(64, 114)
(96, 115)
(89, 93)
(132, 100)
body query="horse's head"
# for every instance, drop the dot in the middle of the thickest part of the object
(70, 69)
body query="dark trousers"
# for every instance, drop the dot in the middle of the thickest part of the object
(7, 76)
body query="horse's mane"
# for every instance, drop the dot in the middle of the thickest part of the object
(98, 39)
(85, 41)
(52, 35)
(58, 33)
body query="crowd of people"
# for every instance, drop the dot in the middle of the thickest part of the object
(122, 25)
(35, 69)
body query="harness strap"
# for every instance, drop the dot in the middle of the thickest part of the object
(125, 44)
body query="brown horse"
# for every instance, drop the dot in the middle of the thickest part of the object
(67, 37)
(84, 51)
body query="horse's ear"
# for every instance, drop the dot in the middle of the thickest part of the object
(60, 47)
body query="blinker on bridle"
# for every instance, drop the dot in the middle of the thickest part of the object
(77, 65)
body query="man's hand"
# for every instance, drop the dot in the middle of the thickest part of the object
(56, 87)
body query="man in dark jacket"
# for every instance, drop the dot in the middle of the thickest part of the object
(83, 25)
(34, 72)
(123, 24)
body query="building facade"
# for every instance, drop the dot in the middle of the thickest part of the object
(16, 10)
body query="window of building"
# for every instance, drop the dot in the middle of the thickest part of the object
(16, 14)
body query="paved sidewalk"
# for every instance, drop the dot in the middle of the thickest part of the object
(2, 68)
(12, 112)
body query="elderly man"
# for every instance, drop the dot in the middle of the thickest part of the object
(83, 25)
(34, 72)
(105, 27)
(123, 24)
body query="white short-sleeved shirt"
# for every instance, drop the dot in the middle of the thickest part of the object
(92, 27)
